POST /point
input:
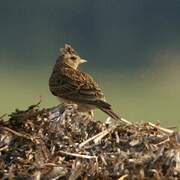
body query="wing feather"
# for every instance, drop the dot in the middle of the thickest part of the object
(79, 86)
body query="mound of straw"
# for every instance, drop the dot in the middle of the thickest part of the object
(62, 143)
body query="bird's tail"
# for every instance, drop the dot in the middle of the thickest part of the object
(105, 107)
(110, 113)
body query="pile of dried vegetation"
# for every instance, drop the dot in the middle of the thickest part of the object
(61, 143)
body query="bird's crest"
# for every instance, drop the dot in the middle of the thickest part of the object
(67, 50)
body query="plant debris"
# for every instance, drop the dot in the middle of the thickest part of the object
(62, 143)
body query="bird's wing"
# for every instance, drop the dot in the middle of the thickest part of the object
(79, 86)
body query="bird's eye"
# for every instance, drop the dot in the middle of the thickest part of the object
(73, 57)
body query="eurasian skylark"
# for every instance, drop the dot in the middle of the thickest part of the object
(72, 86)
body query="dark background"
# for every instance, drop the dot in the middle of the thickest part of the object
(132, 48)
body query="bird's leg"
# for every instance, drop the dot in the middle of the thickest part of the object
(89, 115)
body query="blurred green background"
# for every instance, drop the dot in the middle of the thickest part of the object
(132, 48)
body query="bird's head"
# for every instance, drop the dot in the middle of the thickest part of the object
(70, 57)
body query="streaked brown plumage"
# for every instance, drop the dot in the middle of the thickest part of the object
(71, 85)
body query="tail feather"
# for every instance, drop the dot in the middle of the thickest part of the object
(105, 107)
(110, 113)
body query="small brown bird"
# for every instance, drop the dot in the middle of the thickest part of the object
(72, 86)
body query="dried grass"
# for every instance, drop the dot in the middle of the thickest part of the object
(58, 143)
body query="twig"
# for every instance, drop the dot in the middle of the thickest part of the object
(104, 133)
(164, 141)
(76, 170)
(14, 132)
(57, 177)
(1, 117)
(126, 121)
(103, 160)
(99, 135)
(78, 155)
(37, 175)
(165, 130)
(4, 148)
(90, 139)
(37, 104)
(123, 177)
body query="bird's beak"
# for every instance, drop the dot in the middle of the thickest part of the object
(82, 61)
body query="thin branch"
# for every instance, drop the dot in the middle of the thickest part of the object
(15, 132)
(1, 117)
(78, 155)
(4, 148)
(97, 136)
(126, 121)
(165, 130)
(103, 134)
(123, 177)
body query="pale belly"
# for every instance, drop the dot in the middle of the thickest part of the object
(81, 106)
